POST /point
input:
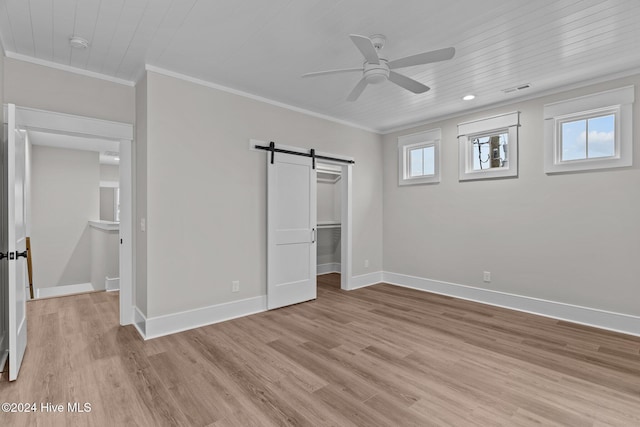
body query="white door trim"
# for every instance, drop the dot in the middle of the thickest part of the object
(34, 119)
(52, 121)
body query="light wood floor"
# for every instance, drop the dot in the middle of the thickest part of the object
(381, 355)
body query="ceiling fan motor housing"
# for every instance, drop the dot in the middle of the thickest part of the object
(376, 73)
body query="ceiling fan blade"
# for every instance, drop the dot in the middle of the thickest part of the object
(365, 46)
(357, 91)
(322, 73)
(423, 58)
(407, 83)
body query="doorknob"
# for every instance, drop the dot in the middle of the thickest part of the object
(4, 255)
(21, 254)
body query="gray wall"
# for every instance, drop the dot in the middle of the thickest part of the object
(109, 173)
(570, 238)
(64, 196)
(36, 86)
(206, 192)
(329, 201)
(107, 194)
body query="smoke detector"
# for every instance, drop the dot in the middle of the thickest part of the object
(78, 42)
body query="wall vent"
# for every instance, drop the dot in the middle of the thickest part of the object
(517, 88)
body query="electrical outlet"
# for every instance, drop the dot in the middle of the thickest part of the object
(366, 263)
(235, 286)
(486, 277)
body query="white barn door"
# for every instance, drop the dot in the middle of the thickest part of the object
(291, 230)
(14, 162)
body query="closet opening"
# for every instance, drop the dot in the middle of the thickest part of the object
(329, 227)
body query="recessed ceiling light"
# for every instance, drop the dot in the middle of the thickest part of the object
(78, 42)
(468, 97)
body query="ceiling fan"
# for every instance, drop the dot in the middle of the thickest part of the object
(377, 68)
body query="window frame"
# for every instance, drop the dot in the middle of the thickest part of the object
(505, 123)
(407, 143)
(616, 102)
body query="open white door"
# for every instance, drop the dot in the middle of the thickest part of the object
(291, 230)
(16, 234)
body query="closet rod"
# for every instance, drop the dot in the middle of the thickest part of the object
(272, 149)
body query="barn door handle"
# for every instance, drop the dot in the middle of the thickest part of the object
(313, 240)
(21, 254)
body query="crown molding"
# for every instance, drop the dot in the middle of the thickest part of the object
(211, 85)
(68, 68)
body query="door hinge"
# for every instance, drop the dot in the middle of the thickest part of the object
(13, 255)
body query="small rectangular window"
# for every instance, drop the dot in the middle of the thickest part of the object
(489, 147)
(590, 132)
(419, 158)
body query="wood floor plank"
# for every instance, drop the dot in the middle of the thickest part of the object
(377, 356)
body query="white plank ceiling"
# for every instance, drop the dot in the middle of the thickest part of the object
(263, 47)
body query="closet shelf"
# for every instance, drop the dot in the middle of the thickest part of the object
(328, 224)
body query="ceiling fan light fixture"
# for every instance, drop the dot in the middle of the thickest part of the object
(77, 42)
(376, 74)
(468, 97)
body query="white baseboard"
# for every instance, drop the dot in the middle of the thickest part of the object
(617, 322)
(332, 267)
(154, 327)
(140, 322)
(159, 326)
(365, 280)
(112, 283)
(58, 291)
